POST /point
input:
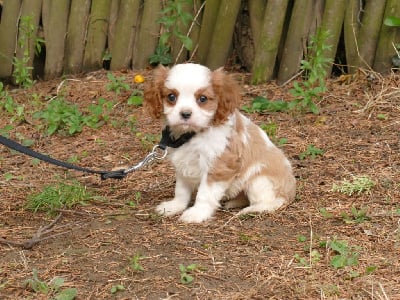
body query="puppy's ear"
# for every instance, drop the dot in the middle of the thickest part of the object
(153, 102)
(227, 92)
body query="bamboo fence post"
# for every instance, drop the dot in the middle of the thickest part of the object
(76, 33)
(194, 34)
(148, 33)
(8, 35)
(176, 44)
(207, 27)
(121, 52)
(97, 35)
(55, 38)
(112, 23)
(332, 21)
(221, 41)
(351, 28)
(297, 35)
(387, 38)
(256, 13)
(267, 50)
(369, 33)
(29, 8)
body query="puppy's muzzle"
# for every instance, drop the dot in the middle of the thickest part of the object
(186, 114)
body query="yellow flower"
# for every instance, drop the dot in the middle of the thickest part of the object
(138, 79)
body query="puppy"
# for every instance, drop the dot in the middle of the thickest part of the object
(228, 156)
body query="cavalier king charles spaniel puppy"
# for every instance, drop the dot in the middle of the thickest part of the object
(228, 158)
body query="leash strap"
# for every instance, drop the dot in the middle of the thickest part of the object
(166, 141)
(25, 150)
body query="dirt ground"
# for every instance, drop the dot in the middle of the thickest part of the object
(116, 247)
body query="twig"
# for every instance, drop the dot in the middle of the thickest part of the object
(37, 237)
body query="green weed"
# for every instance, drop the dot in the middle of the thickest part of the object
(357, 185)
(117, 288)
(356, 216)
(62, 116)
(186, 271)
(22, 72)
(309, 91)
(57, 196)
(173, 16)
(136, 98)
(117, 84)
(311, 152)
(135, 262)
(8, 105)
(53, 288)
(344, 255)
(262, 104)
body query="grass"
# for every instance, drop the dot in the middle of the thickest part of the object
(357, 185)
(57, 196)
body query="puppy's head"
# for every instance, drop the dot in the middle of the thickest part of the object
(191, 97)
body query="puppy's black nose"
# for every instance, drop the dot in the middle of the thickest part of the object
(186, 114)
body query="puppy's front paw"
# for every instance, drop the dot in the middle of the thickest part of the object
(197, 214)
(170, 208)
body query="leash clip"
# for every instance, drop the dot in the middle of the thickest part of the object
(158, 153)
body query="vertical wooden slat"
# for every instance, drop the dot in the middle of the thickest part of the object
(113, 19)
(293, 49)
(97, 35)
(350, 31)
(220, 45)
(147, 37)
(369, 33)
(121, 52)
(207, 28)
(8, 35)
(75, 40)
(198, 9)
(55, 38)
(385, 50)
(332, 22)
(271, 31)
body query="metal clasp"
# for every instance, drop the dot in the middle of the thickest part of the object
(156, 154)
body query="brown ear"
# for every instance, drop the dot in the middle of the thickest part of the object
(153, 102)
(227, 92)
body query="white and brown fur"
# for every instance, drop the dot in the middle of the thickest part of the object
(228, 157)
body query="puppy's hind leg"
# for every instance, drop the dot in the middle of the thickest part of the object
(262, 196)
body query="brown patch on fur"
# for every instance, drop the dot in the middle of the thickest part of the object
(211, 104)
(239, 157)
(227, 92)
(153, 97)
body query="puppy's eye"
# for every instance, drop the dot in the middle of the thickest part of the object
(202, 99)
(171, 98)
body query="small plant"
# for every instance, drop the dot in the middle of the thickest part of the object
(307, 92)
(135, 262)
(136, 98)
(356, 216)
(325, 213)
(344, 254)
(117, 84)
(358, 185)
(186, 278)
(62, 116)
(117, 288)
(8, 104)
(53, 288)
(262, 104)
(311, 152)
(57, 196)
(270, 129)
(173, 16)
(22, 72)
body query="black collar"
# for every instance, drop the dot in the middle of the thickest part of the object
(169, 141)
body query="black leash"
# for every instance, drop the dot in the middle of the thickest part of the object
(166, 141)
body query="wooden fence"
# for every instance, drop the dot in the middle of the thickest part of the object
(268, 37)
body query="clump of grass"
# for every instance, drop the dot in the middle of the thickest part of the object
(359, 184)
(57, 196)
